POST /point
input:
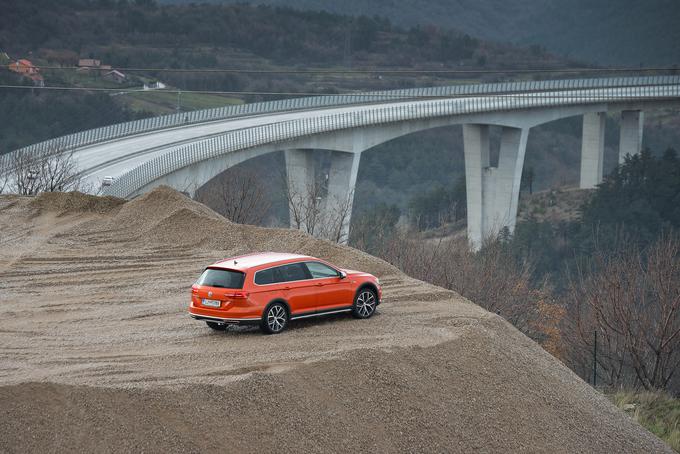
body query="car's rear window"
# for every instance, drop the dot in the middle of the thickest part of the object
(215, 277)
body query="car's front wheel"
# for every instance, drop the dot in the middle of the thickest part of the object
(364, 303)
(217, 326)
(274, 319)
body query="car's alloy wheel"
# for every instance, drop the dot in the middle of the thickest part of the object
(275, 319)
(364, 303)
(216, 326)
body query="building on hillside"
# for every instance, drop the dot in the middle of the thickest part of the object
(92, 65)
(89, 63)
(158, 85)
(115, 76)
(27, 69)
(24, 67)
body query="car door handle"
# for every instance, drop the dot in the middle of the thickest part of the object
(319, 284)
(286, 288)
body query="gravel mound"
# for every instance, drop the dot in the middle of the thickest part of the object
(75, 202)
(97, 353)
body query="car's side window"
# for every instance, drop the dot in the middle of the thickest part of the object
(264, 277)
(293, 272)
(320, 270)
(284, 273)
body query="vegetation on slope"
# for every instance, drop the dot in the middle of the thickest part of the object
(635, 204)
(613, 269)
(625, 32)
(143, 34)
(29, 116)
(658, 412)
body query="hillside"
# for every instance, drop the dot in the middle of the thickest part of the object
(96, 351)
(625, 32)
(144, 35)
(553, 205)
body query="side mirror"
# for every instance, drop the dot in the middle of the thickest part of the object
(343, 275)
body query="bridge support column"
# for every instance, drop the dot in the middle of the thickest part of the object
(301, 181)
(337, 205)
(492, 192)
(476, 150)
(322, 206)
(592, 149)
(630, 138)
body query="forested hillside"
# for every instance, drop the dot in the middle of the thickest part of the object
(624, 32)
(27, 117)
(143, 34)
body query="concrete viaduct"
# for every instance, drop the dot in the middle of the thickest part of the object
(186, 150)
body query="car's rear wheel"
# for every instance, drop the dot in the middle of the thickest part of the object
(217, 326)
(274, 319)
(364, 303)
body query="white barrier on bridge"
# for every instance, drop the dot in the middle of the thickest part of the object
(117, 131)
(201, 150)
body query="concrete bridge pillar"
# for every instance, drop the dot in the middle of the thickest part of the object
(337, 205)
(492, 191)
(476, 150)
(322, 205)
(301, 180)
(592, 149)
(630, 138)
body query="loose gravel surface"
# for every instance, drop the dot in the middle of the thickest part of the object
(97, 352)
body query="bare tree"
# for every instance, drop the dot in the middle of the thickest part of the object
(372, 230)
(47, 170)
(631, 298)
(58, 171)
(296, 207)
(240, 196)
(305, 206)
(491, 278)
(4, 173)
(311, 207)
(25, 168)
(313, 210)
(335, 218)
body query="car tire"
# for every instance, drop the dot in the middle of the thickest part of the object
(217, 326)
(274, 319)
(365, 303)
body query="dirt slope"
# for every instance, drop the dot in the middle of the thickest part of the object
(97, 352)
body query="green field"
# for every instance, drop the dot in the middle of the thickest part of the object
(160, 103)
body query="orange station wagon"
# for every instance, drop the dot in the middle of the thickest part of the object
(271, 289)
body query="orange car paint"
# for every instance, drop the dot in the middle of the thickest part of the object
(305, 297)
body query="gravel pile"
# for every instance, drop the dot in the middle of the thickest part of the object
(75, 202)
(97, 353)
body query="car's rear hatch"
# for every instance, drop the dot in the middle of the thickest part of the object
(217, 287)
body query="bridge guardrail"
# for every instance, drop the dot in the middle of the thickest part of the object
(291, 129)
(119, 130)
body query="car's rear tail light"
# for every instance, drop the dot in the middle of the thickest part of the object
(237, 295)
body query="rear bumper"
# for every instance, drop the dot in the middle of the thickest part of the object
(226, 321)
(228, 314)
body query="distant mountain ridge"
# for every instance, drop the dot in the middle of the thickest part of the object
(621, 32)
